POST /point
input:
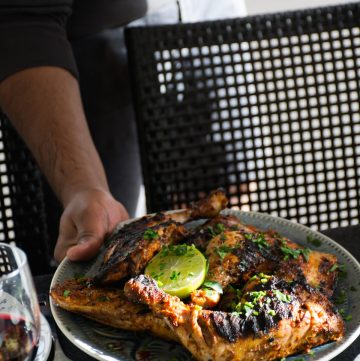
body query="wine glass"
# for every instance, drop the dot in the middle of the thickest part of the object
(19, 308)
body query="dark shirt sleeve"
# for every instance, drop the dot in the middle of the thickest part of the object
(33, 33)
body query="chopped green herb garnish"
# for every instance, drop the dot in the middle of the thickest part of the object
(344, 315)
(156, 276)
(216, 230)
(223, 237)
(79, 276)
(258, 239)
(219, 228)
(181, 249)
(314, 241)
(223, 250)
(66, 293)
(341, 269)
(341, 298)
(213, 285)
(282, 296)
(271, 312)
(294, 252)
(174, 275)
(176, 250)
(103, 299)
(150, 234)
(248, 307)
(262, 277)
(256, 295)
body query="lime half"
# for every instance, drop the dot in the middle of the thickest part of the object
(178, 269)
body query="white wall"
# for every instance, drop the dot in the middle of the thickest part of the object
(200, 10)
(265, 6)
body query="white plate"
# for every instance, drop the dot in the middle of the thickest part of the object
(108, 344)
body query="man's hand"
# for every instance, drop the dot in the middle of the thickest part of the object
(50, 118)
(87, 219)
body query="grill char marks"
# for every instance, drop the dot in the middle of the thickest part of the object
(302, 318)
(134, 247)
(275, 292)
(201, 236)
(268, 311)
(143, 289)
(237, 253)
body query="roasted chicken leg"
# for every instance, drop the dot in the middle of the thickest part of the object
(274, 319)
(109, 306)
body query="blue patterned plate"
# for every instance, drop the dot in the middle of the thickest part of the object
(109, 344)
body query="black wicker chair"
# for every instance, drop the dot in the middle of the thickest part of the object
(22, 212)
(266, 107)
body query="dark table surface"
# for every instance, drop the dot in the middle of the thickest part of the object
(348, 237)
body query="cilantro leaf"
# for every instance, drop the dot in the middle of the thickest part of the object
(213, 285)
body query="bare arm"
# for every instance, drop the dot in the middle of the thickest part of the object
(45, 107)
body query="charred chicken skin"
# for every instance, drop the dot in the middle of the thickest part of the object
(274, 319)
(236, 252)
(133, 246)
(109, 306)
(275, 299)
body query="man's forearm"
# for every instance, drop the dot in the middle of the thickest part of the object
(44, 105)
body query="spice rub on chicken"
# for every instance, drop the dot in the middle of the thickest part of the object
(109, 306)
(133, 246)
(268, 298)
(236, 252)
(272, 319)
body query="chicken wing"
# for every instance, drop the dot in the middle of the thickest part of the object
(132, 247)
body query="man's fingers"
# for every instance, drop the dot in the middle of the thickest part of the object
(86, 248)
(86, 221)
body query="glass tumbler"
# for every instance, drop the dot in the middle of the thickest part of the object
(19, 307)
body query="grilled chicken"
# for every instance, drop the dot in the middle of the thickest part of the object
(108, 306)
(133, 246)
(274, 319)
(275, 300)
(238, 252)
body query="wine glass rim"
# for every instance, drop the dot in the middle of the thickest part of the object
(21, 261)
